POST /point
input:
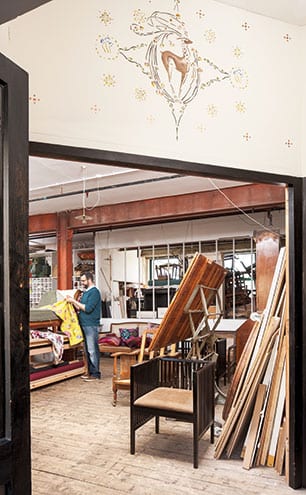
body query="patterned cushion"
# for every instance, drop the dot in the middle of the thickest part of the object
(133, 342)
(110, 339)
(126, 333)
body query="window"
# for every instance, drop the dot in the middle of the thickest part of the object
(144, 280)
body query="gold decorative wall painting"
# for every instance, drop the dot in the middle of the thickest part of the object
(168, 60)
(34, 99)
(105, 17)
(108, 80)
(171, 61)
(95, 108)
(289, 143)
(240, 107)
(107, 47)
(237, 52)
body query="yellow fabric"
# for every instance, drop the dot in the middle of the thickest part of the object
(70, 324)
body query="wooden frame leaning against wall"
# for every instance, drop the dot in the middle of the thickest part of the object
(296, 238)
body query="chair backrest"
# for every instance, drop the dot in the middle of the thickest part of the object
(150, 332)
(181, 373)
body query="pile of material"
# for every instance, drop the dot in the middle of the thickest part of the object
(255, 410)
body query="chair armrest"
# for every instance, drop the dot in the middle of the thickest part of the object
(204, 388)
(122, 353)
(207, 370)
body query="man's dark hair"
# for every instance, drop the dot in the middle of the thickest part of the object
(88, 275)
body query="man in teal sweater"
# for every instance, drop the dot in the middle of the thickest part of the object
(89, 311)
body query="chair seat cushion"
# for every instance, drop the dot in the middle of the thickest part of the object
(170, 399)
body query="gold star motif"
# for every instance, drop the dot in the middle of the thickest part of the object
(210, 36)
(105, 17)
(201, 128)
(240, 107)
(237, 52)
(212, 110)
(108, 80)
(140, 94)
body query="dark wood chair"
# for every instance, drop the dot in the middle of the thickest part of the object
(173, 388)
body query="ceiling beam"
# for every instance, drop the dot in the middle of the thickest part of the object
(251, 197)
(186, 206)
(43, 224)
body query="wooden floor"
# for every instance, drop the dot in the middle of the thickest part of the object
(80, 446)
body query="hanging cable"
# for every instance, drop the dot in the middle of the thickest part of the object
(242, 211)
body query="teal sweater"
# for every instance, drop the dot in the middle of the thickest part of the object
(91, 298)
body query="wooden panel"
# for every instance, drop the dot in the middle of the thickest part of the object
(267, 249)
(242, 335)
(240, 371)
(254, 425)
(262, 368)
(175, 325)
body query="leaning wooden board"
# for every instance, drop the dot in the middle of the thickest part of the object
(175, 325)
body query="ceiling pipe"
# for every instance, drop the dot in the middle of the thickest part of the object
(104, 188)
(75, 181)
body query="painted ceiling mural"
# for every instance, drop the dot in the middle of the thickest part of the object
(177, 69)
(190, 80)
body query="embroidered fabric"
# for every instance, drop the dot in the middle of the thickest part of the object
(56, 340)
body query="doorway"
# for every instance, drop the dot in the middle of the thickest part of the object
(295, 186)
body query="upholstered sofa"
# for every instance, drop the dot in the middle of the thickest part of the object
(124, 336)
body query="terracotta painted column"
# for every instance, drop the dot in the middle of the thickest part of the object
(64, 252)
(267, 249)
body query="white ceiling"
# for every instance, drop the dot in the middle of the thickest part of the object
(291, 11)
(57, 185)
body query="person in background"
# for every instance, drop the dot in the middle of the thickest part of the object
(89, 312)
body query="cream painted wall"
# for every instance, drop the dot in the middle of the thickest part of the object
(188, 231)
(84, 92)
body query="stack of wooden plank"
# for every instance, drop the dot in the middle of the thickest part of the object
(255, 410)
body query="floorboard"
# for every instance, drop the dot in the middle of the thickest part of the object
(80, 446)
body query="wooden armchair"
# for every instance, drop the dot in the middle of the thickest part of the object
(175, 388)
(123, 362)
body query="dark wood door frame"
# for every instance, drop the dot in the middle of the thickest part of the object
(15, 459)
(297, 261)
(13, 8)
(297, 256)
